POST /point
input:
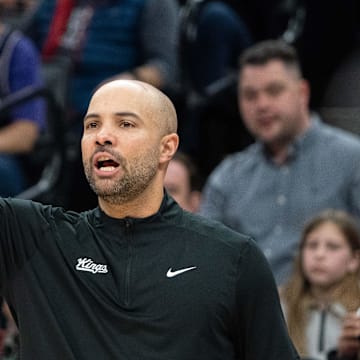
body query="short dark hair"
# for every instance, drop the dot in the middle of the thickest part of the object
(267, 50)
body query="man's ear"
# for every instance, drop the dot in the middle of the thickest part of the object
(169, 145)
(354, 263)
(305, 91)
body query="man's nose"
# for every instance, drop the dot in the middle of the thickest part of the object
(105, 136)
(262, 100)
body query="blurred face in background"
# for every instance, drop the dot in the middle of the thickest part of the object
(177, 184)
(273, 100)
(10, 8)
(327, 256)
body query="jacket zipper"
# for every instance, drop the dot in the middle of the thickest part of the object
(128, 263)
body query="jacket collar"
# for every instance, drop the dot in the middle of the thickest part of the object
(168, 209)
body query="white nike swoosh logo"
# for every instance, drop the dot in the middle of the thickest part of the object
(172, 273)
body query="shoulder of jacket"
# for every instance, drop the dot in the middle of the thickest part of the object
(213, 231)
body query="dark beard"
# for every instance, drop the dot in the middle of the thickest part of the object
(127, 189)
(135, 180)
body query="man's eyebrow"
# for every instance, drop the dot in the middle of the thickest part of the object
(128, 113)
(91, 115)
(120, 114)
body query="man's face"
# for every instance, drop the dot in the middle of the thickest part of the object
(177, 183)
(8, 6)
(120, 144)
(273, 101)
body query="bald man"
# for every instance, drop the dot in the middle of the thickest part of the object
(137, 277)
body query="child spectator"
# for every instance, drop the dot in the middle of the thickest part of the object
(324, 286)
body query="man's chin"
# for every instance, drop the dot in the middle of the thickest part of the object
(269, 136)
(103, 190)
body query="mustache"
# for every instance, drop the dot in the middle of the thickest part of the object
(107, 148)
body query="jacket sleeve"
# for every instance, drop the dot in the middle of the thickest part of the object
(22, 227)
(261, 330)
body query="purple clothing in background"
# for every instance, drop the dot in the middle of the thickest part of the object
(24, 70)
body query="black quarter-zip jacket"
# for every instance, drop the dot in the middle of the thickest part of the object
(172, 286)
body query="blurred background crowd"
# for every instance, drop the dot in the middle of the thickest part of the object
(268, 101)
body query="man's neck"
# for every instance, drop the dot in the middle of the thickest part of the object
(147, 204)
(279, 151)
(280, 155)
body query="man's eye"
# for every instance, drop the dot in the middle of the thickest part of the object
(275, 90)
(249, 95)
(126, 124)
(91, 125)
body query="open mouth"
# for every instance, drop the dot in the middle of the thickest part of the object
(106, 164)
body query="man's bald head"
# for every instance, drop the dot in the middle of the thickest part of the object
(155, 101)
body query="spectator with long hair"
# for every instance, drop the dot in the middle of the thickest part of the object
(324, 288)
